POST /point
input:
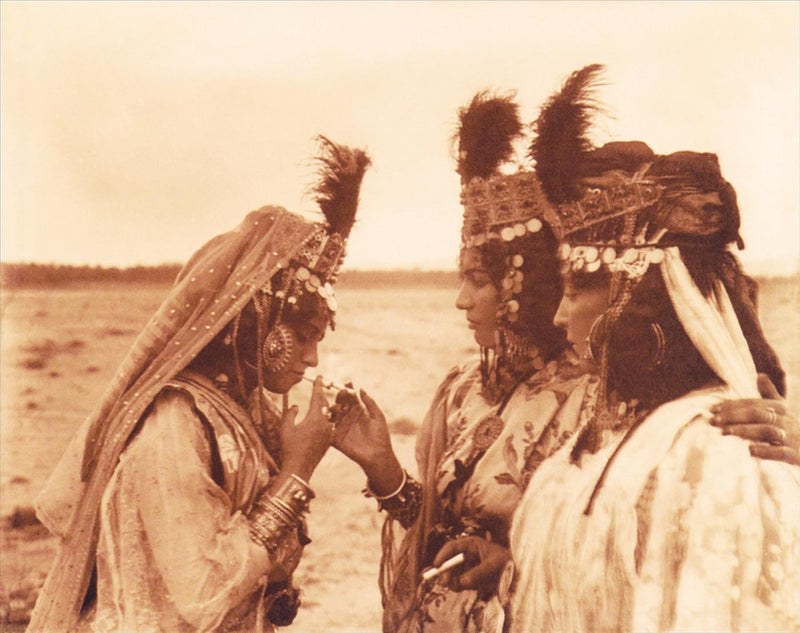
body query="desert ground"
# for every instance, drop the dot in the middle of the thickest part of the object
(61, 346)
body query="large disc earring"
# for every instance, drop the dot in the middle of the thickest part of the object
(277, 349)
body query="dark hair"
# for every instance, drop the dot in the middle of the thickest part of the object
(632, 343)
(542, 286)
(632, 346)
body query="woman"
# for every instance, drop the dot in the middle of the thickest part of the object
(492, 419)
(649, 518)
(489, 425)
(181, 501)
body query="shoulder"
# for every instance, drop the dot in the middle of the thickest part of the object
(697, 454)
(171, 421)
(459, 375)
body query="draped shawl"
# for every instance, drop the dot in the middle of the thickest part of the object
(214, 286)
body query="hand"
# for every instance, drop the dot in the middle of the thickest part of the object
(774, 433)
(484, 563)
(304, 445)
(363, 435)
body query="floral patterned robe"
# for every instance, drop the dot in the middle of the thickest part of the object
(474, 465)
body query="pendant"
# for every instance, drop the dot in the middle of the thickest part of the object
(487, 431)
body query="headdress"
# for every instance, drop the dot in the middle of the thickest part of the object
(316, 265)
(622, 208)
(618, 205)
(498, 207)
(215, 285)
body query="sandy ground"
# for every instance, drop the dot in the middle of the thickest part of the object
(61, 347)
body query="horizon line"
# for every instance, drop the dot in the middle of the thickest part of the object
(761, 268)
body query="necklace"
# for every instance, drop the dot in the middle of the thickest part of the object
(491, 426)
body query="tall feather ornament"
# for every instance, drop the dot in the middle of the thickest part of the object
(487, 129)
(560, 139)
(340, 172)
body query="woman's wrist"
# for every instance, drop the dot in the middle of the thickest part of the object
(279, 510)
(402, 503)
(384, 475)
(298, 468)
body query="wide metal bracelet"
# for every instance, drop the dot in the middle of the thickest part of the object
(403, 504)
(296, 493)
(275, 516)
(268, 526)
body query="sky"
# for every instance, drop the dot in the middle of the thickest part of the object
(132, 132)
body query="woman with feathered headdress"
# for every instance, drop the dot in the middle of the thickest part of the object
(497, 418)
(181, 501)
(650, 518)
(493, 418)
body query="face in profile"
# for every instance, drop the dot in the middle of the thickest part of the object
(305, 336)
(581, 305)
(478, 298)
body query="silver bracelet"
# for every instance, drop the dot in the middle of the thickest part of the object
(389, 496)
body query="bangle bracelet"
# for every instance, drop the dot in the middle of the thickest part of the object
(296, 493)
(404, 504)
(274, 516)
(369, 492)
(266, 528)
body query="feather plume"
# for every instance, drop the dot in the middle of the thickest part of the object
(339, 175)
(560, 131)
(487, 129)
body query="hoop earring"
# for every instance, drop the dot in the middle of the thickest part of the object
(661, 345)
(277, 349)
(594, 340)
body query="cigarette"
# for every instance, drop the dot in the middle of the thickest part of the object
(448, 564)
(330, 385)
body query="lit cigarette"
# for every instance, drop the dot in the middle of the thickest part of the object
(448, 564)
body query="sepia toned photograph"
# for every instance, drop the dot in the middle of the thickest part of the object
(401, 317)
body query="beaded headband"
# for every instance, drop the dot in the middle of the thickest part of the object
(600, 205)
(502, 207)
(316, 267)
(603, 203)
(622, 226)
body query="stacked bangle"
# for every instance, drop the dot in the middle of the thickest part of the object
(404, 503)
(275, 516)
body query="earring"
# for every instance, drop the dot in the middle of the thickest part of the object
(277, 349)
(661, 346)
(595, 339)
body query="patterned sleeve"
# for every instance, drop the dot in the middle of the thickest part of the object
(719, 551)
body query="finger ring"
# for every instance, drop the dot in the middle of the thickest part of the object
(773, 416)
(325, 410)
